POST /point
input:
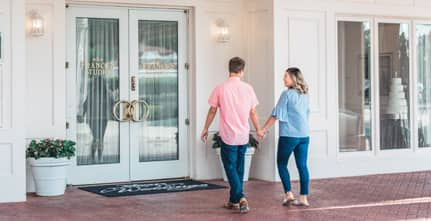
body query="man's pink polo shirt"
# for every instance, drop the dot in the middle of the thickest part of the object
(235, 99)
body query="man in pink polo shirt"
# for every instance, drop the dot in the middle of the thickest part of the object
(236, 101)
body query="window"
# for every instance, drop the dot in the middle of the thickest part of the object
(354, 80)
(423, 67)
(97, 54)
(394, 85)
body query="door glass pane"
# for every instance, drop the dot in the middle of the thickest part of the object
(97, 56)
(158, 90)
(394, 86)
(423, 50)
(354, 86)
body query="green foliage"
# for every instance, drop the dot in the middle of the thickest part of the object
(252, 142)
(51, 148)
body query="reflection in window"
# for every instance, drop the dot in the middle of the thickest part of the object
(158, 87)
(423, 48)
(394, 85)
(97, 54)
(354, 86)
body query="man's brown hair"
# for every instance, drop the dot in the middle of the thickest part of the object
(236, 65)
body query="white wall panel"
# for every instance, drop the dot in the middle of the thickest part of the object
(308, 33)
(6, 157)
(259, 72)
(12, 88)
(45, 77)
(45, 112)
(307, 50)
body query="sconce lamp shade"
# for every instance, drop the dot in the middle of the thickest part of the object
(223, 34)
(37, 24)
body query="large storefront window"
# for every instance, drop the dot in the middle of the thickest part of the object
(394, 85)
(423, 117)
(354, 86)
(356, 80)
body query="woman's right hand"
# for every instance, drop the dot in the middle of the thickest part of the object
(261, 134)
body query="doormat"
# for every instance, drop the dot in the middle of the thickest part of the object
(150, 188)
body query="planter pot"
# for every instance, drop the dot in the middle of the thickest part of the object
(247, 164)
(49, 175)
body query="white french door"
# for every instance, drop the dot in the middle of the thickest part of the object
(126, 94)
(97, 78)
(157, 58)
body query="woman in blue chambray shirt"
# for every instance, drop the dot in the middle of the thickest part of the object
(292, 111)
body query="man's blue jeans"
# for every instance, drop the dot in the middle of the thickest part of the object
(233, 163)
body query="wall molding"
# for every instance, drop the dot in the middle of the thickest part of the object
(6, 164)
(52, 69)
(317, 20)
(2, 98)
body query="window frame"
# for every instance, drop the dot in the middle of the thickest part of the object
(338, 146)
(376, 149)
(416, 147)
(411, 85)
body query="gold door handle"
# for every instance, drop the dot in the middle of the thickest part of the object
(133, 108)
(126, 111)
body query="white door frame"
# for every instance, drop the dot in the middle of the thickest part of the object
(127, 170)
(160, 169)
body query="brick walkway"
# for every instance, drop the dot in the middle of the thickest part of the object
(404, 196)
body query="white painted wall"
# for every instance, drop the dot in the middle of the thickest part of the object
(260, 73)
(305, 33)
(45, 75)
(271, 35)
(45, 78)
(12, 100)
(45, 115)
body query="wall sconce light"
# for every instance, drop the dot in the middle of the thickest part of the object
(37, 24)
(223, 34)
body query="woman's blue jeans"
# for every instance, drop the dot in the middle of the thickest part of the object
(299, 146)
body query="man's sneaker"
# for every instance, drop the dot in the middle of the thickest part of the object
(243, 206)
(230, 205)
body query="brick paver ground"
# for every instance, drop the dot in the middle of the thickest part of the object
(405, 196)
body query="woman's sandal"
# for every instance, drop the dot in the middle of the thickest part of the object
(287, 201)
(300, 204)
(243, 207)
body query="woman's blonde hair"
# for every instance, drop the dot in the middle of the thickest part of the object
(298, 80)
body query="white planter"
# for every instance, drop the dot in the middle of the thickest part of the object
(247, 164)
(49, 175)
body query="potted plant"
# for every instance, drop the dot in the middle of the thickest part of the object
(49, 159)
(252, 146)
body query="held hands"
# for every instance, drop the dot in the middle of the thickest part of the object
(261, 133)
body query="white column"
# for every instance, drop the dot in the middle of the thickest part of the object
(12, 101)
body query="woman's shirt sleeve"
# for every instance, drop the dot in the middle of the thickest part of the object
(280, 110)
